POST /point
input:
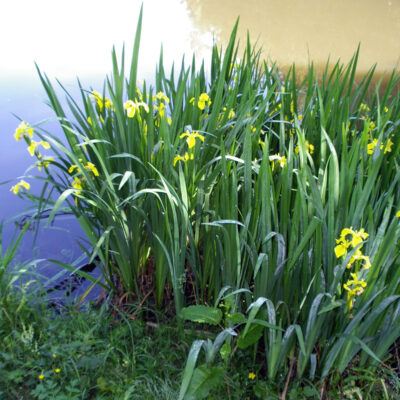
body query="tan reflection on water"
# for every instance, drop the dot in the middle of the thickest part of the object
(303, 30)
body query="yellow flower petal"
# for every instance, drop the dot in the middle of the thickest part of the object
(340, 250)
(252, 375)
(72, 168)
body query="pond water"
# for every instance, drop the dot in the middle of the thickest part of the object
(75, 38)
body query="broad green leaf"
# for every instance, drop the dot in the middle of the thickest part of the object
(202, 314)
(253, 334)
(204, 379)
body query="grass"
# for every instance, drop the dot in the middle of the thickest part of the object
(93, 355)
(265, 208)
(97, 354)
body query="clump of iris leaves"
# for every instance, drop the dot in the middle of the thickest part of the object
(246, 226)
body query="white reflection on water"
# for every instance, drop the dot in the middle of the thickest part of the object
(75, 37)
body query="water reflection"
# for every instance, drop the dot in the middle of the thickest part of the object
(299, 31)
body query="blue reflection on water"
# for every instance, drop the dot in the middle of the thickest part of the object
(26, 99)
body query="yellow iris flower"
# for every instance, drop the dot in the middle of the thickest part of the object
(351, 238)
(132, 106)
(204, 100)
(21, 184)
(44, 163)
(388, 147)
(354, 288)
(161, 96)
(33, 145)
(309, 148)
(191, 138)
(185, 158)
(278, 159)
(23, 130)
(77, 184)
(89, 167)
(371, 146)
(102, 102)
(160, 108)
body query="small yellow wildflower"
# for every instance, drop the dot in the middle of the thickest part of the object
(23, 130)
(385, 109)
(185, 158)
(21, 184)
(133, 106)
(252, 375)
(57, 370)
(41, 377)
(33, 145)
(191, 138)
(398, 214)
(54, 355)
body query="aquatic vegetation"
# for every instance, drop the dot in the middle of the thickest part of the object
(236, 190)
